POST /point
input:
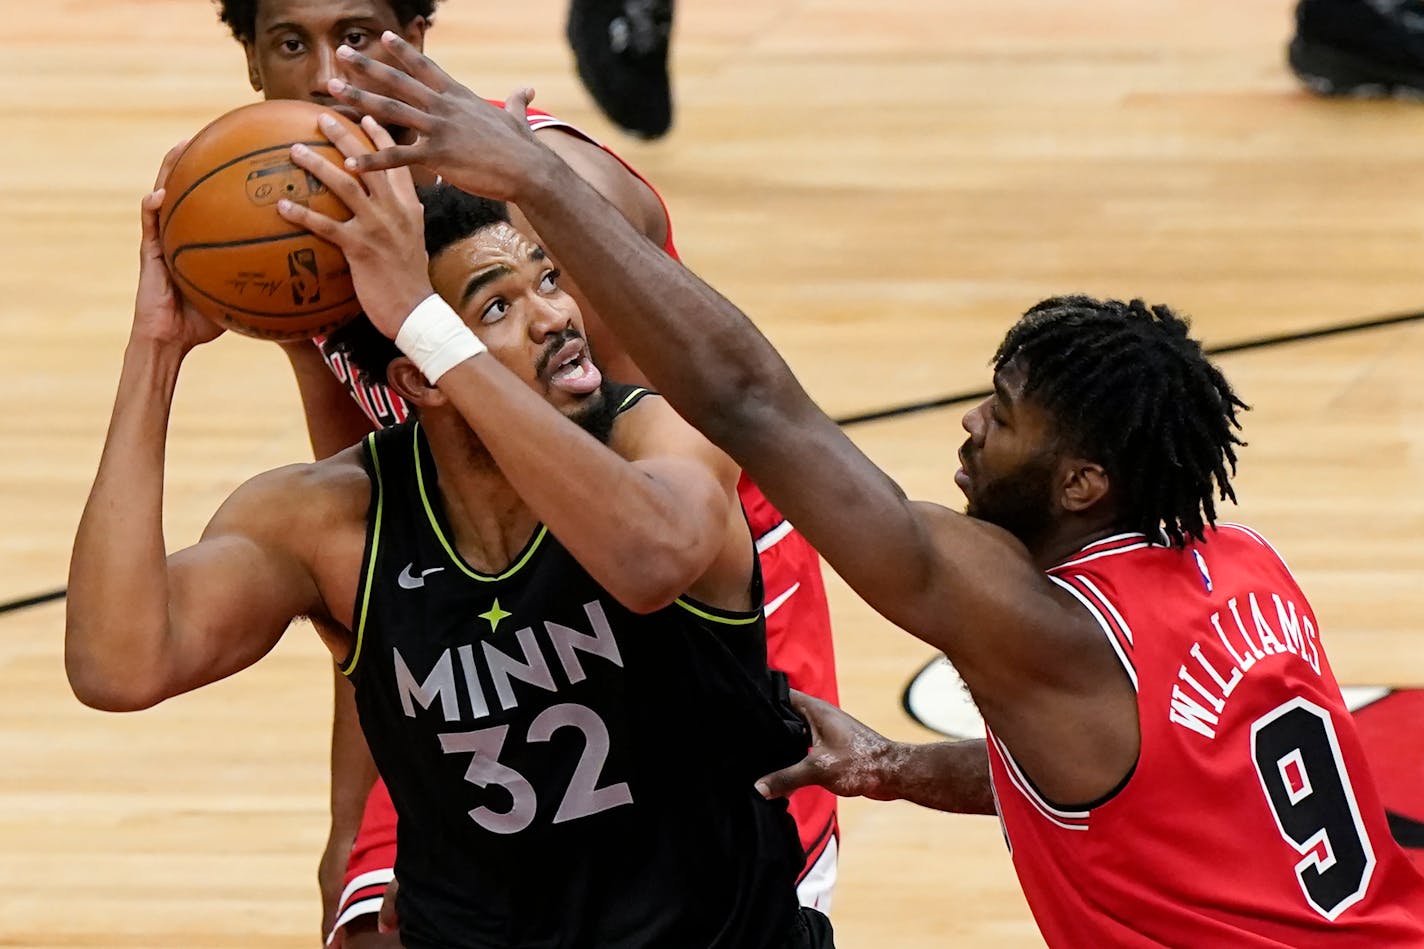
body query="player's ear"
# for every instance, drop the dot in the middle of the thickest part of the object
(414, 32)
(254, 76)
(410, 383)
(1084, 483)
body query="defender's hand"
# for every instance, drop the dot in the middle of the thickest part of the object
(384, 241)
(846, 756)
(160, 313)
(477, 147)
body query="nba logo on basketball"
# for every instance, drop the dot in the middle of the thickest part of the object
(306, 282)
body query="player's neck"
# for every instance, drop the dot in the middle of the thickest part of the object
(490, 521)
(1066, 538)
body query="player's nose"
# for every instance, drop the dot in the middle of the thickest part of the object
(973, 420)
(325, 67)
(547, 319)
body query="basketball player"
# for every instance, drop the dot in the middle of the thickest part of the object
(540, 588)
(1171, 758)
(290, 48)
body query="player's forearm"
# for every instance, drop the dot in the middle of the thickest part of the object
(725, 378)
(639, 538)
(696, 347)
(334, 420)
(117, 609)
(947, 776)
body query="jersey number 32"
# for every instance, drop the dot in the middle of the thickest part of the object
(581, 798)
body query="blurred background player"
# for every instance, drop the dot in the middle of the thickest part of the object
(290, 48)
(621, 52)
(1360, 47)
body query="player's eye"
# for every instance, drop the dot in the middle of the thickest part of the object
(356, 38)
(291, 46)
(495, 311)
(550, 283)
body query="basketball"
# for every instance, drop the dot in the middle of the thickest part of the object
(231, 254)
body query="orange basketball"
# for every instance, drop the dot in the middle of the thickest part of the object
(232, 255)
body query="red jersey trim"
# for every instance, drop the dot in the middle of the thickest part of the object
(1068, 820)
(1107, 547)
(1258, 538)
(1108, 619)
(823, 839)
(773, 537)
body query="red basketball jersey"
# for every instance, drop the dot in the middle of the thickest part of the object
(1251, 819)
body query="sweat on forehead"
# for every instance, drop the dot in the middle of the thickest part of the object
(452, 215)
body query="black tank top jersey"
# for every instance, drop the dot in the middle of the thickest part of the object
(566, 773)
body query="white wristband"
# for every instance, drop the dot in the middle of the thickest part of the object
(436, 339)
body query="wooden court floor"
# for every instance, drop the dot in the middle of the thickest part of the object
(884, 191)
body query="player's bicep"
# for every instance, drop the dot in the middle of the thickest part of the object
(698, 478)
(1007, 627)
(633, 197)
(852, 512)
(233, 594)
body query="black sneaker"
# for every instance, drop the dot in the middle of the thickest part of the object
(621, 49)
(1360, 47)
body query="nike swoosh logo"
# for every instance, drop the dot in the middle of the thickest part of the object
(409, 581)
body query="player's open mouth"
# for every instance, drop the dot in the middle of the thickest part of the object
(573, 371)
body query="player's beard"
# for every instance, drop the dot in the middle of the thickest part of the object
(597, 412)
(1020, 502)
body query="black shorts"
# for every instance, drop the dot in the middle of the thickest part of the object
(812, 930)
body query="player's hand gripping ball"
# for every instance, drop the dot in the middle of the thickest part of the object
(231, 254)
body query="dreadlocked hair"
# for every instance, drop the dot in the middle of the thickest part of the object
(1130, 389)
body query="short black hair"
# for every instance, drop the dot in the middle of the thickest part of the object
(451, 215)
(1131, 390)
(241, 15)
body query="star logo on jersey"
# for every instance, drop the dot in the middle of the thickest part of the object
(494, 615)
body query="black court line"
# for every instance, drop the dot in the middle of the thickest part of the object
(35, 600)
(910, 408)
(1263, 342)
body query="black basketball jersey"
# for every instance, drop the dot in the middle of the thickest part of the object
(566, 773)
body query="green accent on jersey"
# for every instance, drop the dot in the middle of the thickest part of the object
(699, 610)
(494, 615)
(350, 667)
(455, 558)
(637, 393)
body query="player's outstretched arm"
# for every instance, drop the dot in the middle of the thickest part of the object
(138, 626)
(965, 586)
(851, 759)
(695, 346)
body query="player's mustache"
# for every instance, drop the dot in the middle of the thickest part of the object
(556, 344)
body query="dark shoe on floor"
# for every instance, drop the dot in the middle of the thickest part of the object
(1360, 47)
(621, 49)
